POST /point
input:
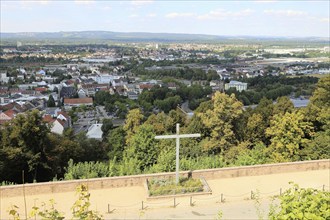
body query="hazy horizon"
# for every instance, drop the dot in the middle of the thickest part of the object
(139, 32)
(226, 18)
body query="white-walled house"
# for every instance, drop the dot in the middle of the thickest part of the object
(57, 126)
(235, 84)
(95, 131)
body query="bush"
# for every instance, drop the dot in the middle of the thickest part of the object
(158, 187)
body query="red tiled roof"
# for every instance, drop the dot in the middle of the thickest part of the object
(28, 92)
(78, 101)
(89, 86)
(146, 86)
(63, 113)
(69, 82)
(62, 122)
(11, 106)
(48, 118)
(11, 113)
(41, 89)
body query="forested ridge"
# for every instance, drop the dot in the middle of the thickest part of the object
(231, 136)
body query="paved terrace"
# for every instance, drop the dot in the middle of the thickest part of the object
(126, 202)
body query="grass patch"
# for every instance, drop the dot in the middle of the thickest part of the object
(159, 187)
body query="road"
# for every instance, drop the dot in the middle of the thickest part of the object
(185, 107)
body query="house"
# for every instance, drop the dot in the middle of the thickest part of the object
(141, 87)
(91, 89)
(13, 105)
(130, 88)
(118, 89)
(81, 93)
(58, 126)
(4, 78)
(217, 85)
(104, 78)
(172, 86)
(62, 115)
(7, 116)
(69, 103)
(200, 82)
(95, 131)
(52, 111)
(133, 95)
(235, 84)
(41, 89)
(119, 82)
(58, 123)
(67, 92)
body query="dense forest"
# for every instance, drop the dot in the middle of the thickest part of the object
(273, 87)
(231, 136)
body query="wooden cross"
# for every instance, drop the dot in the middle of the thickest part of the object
(177, 136)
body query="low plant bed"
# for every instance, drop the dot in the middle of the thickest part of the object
(161, 187)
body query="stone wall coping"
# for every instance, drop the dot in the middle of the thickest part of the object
(142, 177)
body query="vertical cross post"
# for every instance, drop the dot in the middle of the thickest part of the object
(177, 136)
(177, 149)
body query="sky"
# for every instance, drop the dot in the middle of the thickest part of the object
(226, 18)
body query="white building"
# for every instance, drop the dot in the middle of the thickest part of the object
(103, 78)
(95, 131)
(235, 84)
(4, 78)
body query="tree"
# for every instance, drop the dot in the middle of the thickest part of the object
(318, 147)
(93, 150)
(265, 109)
(64, 148)
(318, 110)
(288, 134)
(255, 128)
(299, 203)
(101, 97)
(51, 101)
(177, 116)
(283, 105)
(143, 147)
(25, 144)
(321, 95)
(168, 104)
(116, 142)
(132, 123)
(160, 122)
(219, 121)
(107, 125)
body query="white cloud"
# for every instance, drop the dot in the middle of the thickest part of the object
(133, 16)
(106, 8)
(44, 2)
(319, 19)
(141, 2)
(221, 14)
(29, 5)
(151, 15)
(288, 13)
(40, 2)
(84, 2)
(264, 1)
(326, 20)
(179, 15)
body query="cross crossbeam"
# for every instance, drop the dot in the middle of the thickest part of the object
(177, 136)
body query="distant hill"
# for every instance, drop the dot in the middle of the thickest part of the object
(141, 37)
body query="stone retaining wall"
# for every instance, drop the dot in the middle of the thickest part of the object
(139, 180)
